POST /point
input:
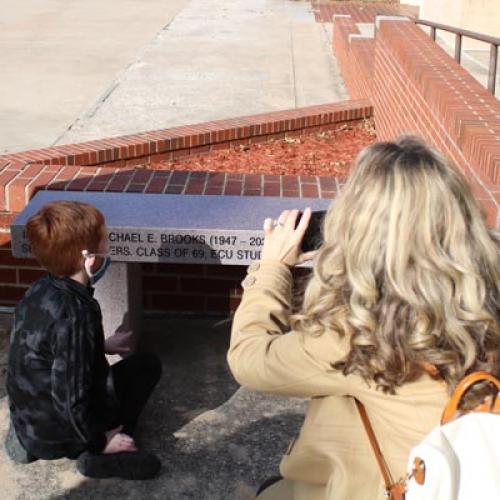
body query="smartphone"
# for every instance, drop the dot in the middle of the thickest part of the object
(312, 238)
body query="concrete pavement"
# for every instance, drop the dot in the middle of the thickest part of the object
(75, 70)
(219, 59)
(58, 56)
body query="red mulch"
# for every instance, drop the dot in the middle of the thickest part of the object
(326, 153)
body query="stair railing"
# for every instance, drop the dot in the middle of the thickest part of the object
(459, 34)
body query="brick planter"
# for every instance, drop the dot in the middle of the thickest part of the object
(120, 164)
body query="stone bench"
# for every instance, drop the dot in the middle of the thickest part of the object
(165, 228)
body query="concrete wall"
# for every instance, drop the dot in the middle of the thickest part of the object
(416, 3)
(482, 16)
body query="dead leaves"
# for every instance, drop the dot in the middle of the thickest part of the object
(329, 152)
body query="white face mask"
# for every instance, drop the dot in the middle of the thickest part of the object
(95, 276)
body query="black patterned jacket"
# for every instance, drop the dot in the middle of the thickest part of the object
(60, 392)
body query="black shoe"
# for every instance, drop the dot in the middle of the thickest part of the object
(127, 465)
(14, 448)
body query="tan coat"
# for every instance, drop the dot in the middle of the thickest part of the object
(331, 458)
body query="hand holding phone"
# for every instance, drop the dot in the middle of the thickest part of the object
(290, 238)
(312, 238)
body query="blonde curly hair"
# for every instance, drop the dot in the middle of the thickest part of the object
(408, 270)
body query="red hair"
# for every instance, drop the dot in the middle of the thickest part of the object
(59, 232)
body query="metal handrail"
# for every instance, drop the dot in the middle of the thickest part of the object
(459, 33)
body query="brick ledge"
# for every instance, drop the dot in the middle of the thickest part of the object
(109, 164)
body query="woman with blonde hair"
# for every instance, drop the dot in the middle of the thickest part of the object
(403, 301)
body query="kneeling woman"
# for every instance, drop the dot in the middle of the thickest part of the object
(402, 303)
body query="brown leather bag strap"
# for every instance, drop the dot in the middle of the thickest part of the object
(375, 446)
(463, 386)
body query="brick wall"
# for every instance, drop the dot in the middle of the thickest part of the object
(418, 88)
(361, 12)
(355, 56)
(123, 164)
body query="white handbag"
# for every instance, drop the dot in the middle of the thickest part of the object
(459, 459)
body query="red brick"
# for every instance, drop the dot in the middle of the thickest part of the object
(194, 187)
(12, 294)
(220, 145)
(7, 259)
(160, 157)
(8, 275)
(135, 188)
(328, 194)
(272, 178)
(178, 177)
(5, 178)
(180, 153)
(327, 183)
(32, 170)
(119, 183)
(252, 192)
(42, 180)
(181, 269)
(199, 176)
(142, 176)
(490, 210)
(16, 194)
(215, 190)
(4, 240)
(159, 283)
(258, 139)
(231, 176)
(6, 219)
(233, 188)
(272, 189)
(208, 287)
(216, 179)
(200, 150)
(290, 182)
(97, 186)
(234, 272)
(156, 185)
(175, 189)
(65, 174)
(176, 302)
(252, 181)
(80, 183)
(309, 191)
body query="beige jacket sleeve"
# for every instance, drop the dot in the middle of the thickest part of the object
(265, 355)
